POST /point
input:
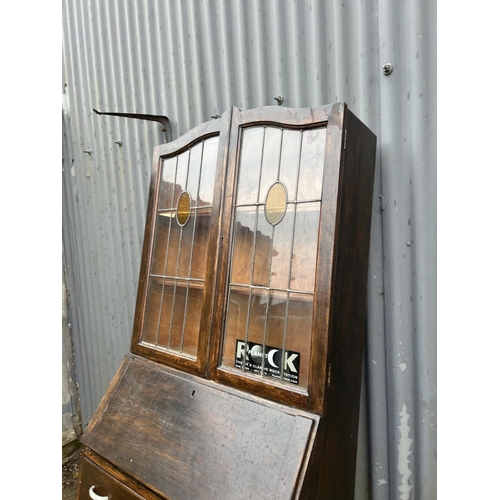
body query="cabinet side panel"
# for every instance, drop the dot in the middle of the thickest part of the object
(331, 473)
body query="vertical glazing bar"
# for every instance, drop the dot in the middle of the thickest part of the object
(166, 249)
(192, 248)
(253, 249)
(264, 340)
(291, 259)
(279, 161)
(188, 281)
(226, 314)
(177, 266)
(173, 306)
(268, 288)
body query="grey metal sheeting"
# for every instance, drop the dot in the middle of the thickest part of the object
(191, 59)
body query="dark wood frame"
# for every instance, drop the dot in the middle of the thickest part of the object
(331, 116)
(178, 360)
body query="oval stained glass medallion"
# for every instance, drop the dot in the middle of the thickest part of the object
(183, 208)
(275, 207)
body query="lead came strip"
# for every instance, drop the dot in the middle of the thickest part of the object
(166, 248)
(264, 339)
(192, 246)
(174, 296)
(291, 255)
(254, 244)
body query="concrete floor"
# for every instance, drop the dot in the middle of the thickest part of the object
(71, 462)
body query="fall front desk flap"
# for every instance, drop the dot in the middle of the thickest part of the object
(184, 437)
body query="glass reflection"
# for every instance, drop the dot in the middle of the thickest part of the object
(178, 315)
(184, 250)
(173, 306)
(263, 250)
(289, 166)
(311, 164)
(244, 236)
(201, 230)
(167, 183)
(150, 331)
(275, 328)
(163, 222)
(305, 245)
(236, 322)
(257, 326)
(207, 177)
(298, 332)
(270, 160)
(282, 250)
(275, 241)
(193, 180)
(189, 343)
(249, 171)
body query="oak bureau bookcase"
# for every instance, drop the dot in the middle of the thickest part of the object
(244, 376)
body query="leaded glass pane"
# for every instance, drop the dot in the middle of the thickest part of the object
(273, 259)
(176, 289)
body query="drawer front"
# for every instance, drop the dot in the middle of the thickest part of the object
(96, 484)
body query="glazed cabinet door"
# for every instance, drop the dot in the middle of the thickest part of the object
(276, 269)
(175, 297)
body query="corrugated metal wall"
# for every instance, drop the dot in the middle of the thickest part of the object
(191, 59)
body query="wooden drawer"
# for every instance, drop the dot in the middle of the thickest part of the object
(97, 484)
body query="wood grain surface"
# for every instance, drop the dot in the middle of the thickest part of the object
(186, 439)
